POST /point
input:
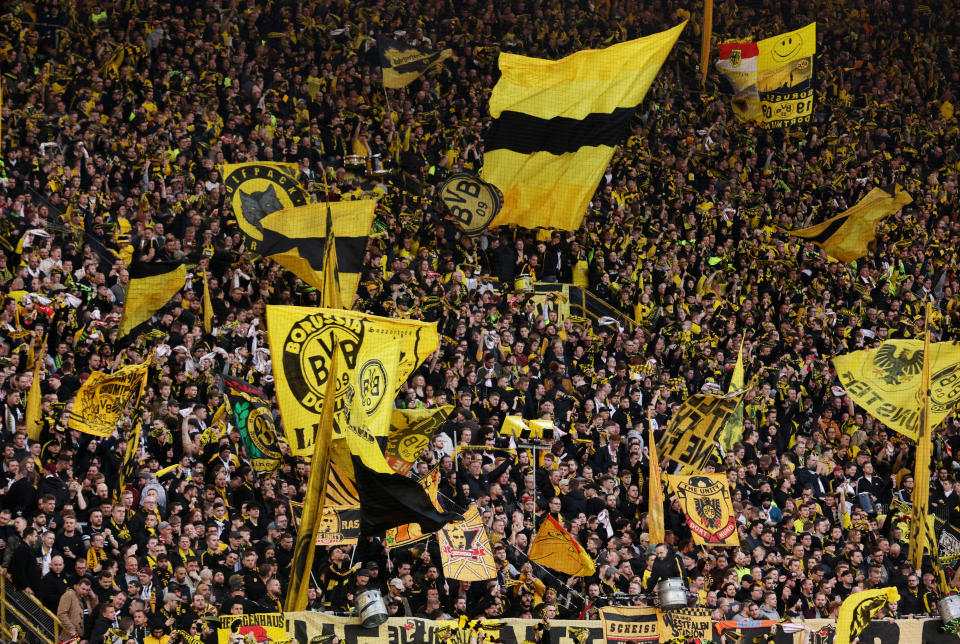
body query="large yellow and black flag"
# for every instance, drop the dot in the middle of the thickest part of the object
(402, 64)
(887, 382)
(556, 124)
(151, 285)
(297, 239)
(555, 548)
(858, 609)
(848, 235)
(692, 434)
(256, 189)
(387, 499)
(302, 341)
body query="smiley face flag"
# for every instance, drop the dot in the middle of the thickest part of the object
(771, 80)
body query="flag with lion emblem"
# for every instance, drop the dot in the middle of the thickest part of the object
(465, 549)
(705, 499)
(886, 382)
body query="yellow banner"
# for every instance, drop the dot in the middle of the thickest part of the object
(705, 499)
(626, 624)
(691, 436)
(103, 398)
(554, 548)
(302, 341)
(262, 627)
(33, 420)
(686, 623)
(886, 382)
(858, 609)
(411, 431)
(655, 518)
(465, 549)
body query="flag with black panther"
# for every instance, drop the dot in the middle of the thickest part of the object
(254, 420)
(402, 64)
(254, 190)
(705, 500)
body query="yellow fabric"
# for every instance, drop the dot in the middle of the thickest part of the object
(855, 228)
(33, 417)
(403, 66)
(411, 431)
(733, 428)
(207, 305)
(301, 342)
(330, 295)
(103, 398)
(552, 191)
(465, 549)
(146, 295)
(554, 548)
(858, 609)
(887, 382)
(303, 551)
(921, 464)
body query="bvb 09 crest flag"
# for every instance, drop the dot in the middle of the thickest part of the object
(104, 397)
(254, 420)
(705, 499)
(302, 342)
(771, 80)
(410, 433)
(465, 549)
(886, 382)
(556, 124)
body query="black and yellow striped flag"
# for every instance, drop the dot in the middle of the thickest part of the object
(296, 238)
(848, 235)
(151, 285)
(556, 124)
(402, 64)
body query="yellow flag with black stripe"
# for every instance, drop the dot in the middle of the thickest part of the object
(151, 286)
(556, 124)
(858, 609)
(401, 64)
(887, 382)
(103, 398)
(848, 235)
(302, 341)
(297, 239)
(554, 548)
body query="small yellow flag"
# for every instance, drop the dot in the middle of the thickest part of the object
(555, 548)
(207, 305)
(34, 399)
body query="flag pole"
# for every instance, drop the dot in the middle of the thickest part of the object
(921, 472)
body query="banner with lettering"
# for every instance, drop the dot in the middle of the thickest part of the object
(623, 624)
(688, 623)
(705, 499)
(262, 627)
(691, 435)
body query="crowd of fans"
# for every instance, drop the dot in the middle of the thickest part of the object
(116, 116)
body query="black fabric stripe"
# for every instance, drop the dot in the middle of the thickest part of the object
(350, 250)
(139, 270)
(828, 232)
(525, 134)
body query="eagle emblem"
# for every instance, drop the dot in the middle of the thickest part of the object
(735, 57)
(709, 510)
(895, 367)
